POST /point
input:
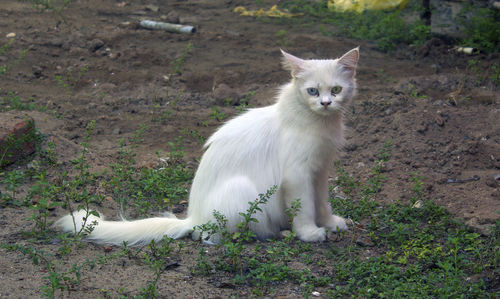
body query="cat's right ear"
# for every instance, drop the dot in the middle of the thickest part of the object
(349, 61)
(294, 64)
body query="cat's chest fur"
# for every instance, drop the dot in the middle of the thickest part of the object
(309, 148)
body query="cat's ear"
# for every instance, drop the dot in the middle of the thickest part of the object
(349, 61)
(294, 64)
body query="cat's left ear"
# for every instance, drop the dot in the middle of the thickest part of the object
(349, 61)
(294, 64)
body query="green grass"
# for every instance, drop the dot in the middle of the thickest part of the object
(418, 248)
(387, 29)
(4, 49)
(482, 28)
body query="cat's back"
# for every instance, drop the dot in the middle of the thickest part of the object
(252, 127)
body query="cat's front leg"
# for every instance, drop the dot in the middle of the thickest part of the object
(304, 223)
(324, 215)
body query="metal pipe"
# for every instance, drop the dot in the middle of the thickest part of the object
(167, 26)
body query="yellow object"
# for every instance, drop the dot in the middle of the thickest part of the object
(273, 12)
(361, 5)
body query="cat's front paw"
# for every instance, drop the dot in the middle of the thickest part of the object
(337, 223)
(312, 234)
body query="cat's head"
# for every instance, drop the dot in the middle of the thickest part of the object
(325, 86)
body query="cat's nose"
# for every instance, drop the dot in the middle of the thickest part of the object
(326, 103)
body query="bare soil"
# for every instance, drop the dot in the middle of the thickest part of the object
(443, 122)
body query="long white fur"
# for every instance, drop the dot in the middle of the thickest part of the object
(289, 144)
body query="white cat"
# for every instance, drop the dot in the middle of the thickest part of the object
(289, 144)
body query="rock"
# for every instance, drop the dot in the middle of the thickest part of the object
(496, 194)
(417, 205)
(177, 209)
(37, 71)
(171, 17)
(95, 44)
(422, 128)
(10, 35)
(439, 120)
(77, 51)
(285, 233)
(152, 7)
(485, 97)
(17, 137)
(493, 181)
(107, 87)
(129, 25)
(225, 95)
(364, 242)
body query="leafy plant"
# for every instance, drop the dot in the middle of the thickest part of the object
(157, 258)
(218, 114)
(282, 37)
(181, 60)
(70, 79)
(11, 101)
(482, 28)
(387, 28)
(11, 181)
(4, 68)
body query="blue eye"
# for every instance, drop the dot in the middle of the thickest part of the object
(313, 91)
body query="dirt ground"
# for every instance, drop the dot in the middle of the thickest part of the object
(90, 64)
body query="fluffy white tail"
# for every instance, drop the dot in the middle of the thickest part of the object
(137, 232)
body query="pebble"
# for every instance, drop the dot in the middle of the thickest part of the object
(285, 233)
(417, 205)
(171, 17)
(10, 35)
(152, 7)
(493, 181)
(316, 294)
(224, 94)
(364, 242)
(439, 120)
(95, 44)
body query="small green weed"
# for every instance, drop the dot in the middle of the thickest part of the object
(4, 68)
(218, 114)
(195, 135)
(485, 74)
(11, 181)
(412, 92)
(158, 260)
(282, 37)
(71, 78)
(150, 188)
(244, 104)
(178, 63)
(11, 101)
